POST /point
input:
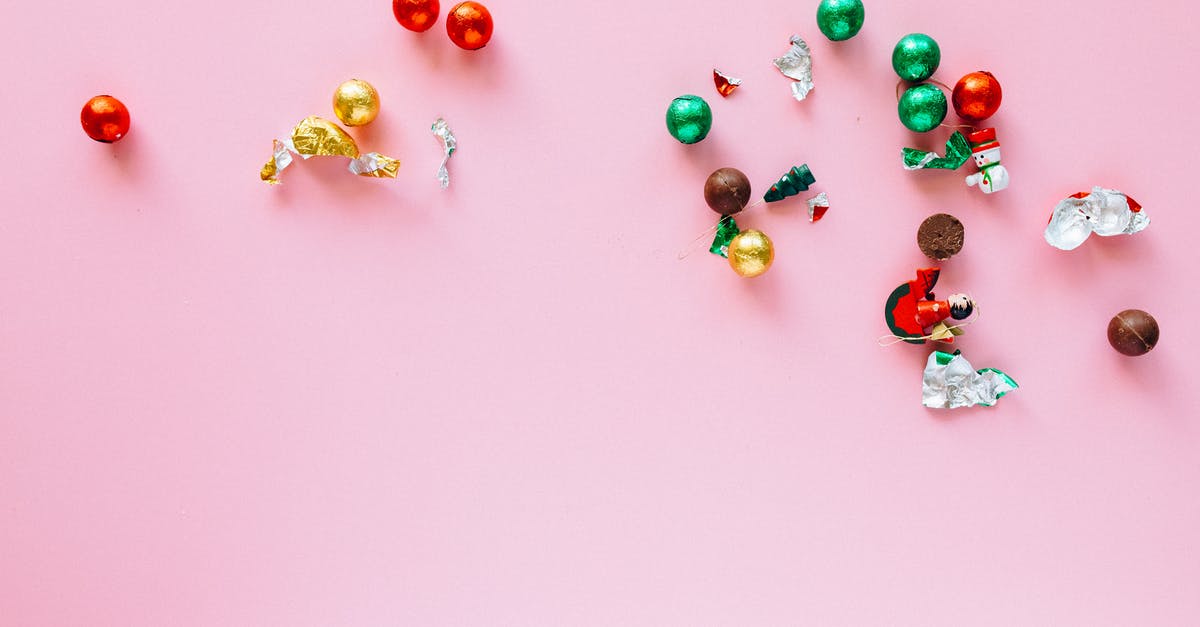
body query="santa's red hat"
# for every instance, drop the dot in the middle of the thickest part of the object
(983, 140)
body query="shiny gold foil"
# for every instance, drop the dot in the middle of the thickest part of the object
(355, 102)
(751, 253)
(318, 137)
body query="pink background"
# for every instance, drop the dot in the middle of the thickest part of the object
(355, 402)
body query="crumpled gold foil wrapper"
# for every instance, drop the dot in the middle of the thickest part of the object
(318, 137)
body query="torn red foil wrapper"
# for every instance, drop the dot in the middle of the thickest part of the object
(725, 83)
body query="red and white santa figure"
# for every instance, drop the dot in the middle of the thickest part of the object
(991, 177)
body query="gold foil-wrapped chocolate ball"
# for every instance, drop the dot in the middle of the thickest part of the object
(751, 253)
(355, 102)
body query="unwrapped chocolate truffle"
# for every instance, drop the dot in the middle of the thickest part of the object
(1133, 332)
(940, 236)
(727, 191)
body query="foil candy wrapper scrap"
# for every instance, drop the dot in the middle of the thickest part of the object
(318, 137)
(817, 206)
(725, 83)
(449, 144)
(796, 64)
(950, 382)
(727, 229)
(958, 152)
(1105, 212)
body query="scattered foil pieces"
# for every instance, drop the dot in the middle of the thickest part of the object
(318, 137)
(958, 152)
(725, 83)
(796, 64)
(817, 206)
(727, 229)
(449, 144)
(951, 382)
(1104, 212)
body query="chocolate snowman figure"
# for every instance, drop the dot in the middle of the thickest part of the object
(991, 177)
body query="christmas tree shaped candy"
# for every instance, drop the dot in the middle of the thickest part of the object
(797, 180)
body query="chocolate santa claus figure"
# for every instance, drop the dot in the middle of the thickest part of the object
(914, 315)
(991, 177)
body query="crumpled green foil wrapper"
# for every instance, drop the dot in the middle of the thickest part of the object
(958, 152)
(727, 229)
(951, 382)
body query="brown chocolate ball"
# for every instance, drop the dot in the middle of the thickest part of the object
(727, 191)
(940, 236)
(1133, 332)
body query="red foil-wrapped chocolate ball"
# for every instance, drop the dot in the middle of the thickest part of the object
(977, 96)
(416, 15)
(469, 25)
(105, 119)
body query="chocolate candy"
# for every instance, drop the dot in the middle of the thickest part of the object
(1133, 332)
(727, 191)
(940, 236)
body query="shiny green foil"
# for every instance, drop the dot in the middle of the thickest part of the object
(958, 152)
(689, 119)
(922, 108)
(916, 57)
(840, 20)
(727, 229)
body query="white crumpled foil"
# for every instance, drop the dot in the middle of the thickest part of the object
(820, 200)
(1105, 212)
(449, 144)
(957, 384)
(796, 64)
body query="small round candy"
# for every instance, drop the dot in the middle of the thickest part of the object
(689, 119)
(355, 102)
(416, 15)
(105, 119)
(751, 253)
(940, 236)
(922, 108)
(916, 57)
(469, 25)
(1133, 332)
(840, 20)
(976, 96)
(727, 191)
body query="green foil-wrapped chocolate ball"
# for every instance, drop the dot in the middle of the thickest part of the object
(689, 119)
(916, 57)
(840, 20)
(922, 108)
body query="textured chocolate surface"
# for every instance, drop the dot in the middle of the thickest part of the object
(940, 236)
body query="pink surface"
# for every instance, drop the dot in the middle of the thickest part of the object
(354, 402)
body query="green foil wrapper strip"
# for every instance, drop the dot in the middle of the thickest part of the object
(797, 180)
(727, 229)
(958, 152)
